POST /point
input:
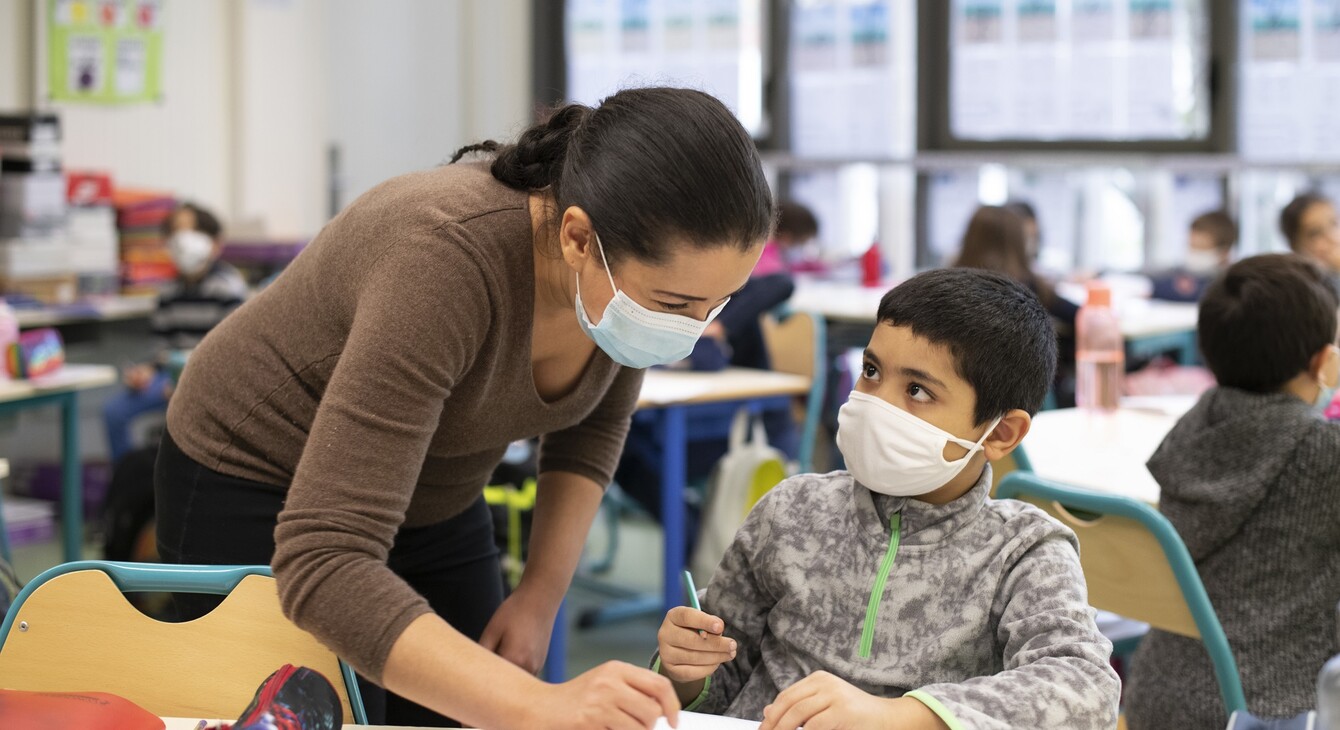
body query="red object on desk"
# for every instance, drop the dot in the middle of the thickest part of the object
(872, 266)
(85, 710)
(88, 188)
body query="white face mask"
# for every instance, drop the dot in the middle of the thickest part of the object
(1201, 261)
(893, 452)
(191, 251)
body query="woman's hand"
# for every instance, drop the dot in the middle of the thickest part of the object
(614, 695)
(519, 630)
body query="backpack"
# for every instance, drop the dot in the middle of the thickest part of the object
(748, 470)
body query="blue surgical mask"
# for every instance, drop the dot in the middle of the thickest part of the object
(635, 336)
(1324, 398)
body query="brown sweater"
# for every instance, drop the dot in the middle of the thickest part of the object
(380, 379)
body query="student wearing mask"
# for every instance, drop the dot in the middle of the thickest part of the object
(1210, 244)
(206, 290)
(1312, 228)
(899, 594)
(342, 426)
(796, 227)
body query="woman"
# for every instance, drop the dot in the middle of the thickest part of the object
(342, 424)
(1311, 226)
(996, 240)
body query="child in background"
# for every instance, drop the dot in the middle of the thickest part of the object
(206, 291)
(1310, 225)
(899, 594)
(796, 226)
(996, 240)
(1250, 477)
(1210, 244)
(1032, 231)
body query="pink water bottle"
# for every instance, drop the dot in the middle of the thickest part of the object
(1100, 355)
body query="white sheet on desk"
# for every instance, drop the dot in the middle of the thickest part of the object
(696, 721)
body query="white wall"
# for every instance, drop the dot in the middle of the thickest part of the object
(182, 144)
(16, 32)
(414, 80)
(255, 91)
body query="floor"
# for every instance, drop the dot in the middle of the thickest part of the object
(636, 567)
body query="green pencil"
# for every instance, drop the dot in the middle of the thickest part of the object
(693, 597)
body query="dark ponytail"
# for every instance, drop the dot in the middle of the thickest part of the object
(652, 167)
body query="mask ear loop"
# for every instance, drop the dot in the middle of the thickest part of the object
(606, 262)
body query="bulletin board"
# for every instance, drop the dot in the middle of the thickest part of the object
(104, 51)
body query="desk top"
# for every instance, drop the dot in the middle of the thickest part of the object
(676, 387)
(69, 378)
(98, 310)
(852, 303)
(1105, 452)
(687, 721)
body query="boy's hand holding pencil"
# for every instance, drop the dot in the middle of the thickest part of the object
(690, 641)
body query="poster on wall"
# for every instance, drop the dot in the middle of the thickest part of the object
(104, 51)
(1289, 80)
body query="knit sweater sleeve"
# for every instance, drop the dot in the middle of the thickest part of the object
(368, 441)
(592, 447)
(1056, 672)
(738, 595)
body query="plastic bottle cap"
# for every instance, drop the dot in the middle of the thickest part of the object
(1100, 295)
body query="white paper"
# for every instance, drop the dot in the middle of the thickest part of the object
(131, 66)
(85, 64)
(696, 721)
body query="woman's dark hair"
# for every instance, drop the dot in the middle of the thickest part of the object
(1291, 218)
(648, 165)
(995, 240)
(205, 221)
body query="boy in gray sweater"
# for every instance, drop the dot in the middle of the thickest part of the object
(899, 594)
(1250, 477)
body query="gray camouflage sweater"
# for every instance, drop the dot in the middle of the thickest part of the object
(977, 608)
(1252, 484)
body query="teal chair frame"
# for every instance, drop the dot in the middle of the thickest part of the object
(219, 580)
(1020, 485)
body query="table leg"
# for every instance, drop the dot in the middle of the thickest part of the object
(72, 479)
(556, 665)
(674, 437)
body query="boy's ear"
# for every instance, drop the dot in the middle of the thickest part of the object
(1325, 366)
(1012, 429)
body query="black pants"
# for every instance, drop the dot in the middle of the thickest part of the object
(205, 517)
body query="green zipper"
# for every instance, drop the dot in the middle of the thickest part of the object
(877, 593)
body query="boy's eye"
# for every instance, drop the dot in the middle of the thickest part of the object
(919, 394)
(673, 307)
(869, 372)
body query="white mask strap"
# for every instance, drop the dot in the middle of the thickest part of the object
(606, 262)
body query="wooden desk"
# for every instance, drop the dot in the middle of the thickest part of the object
(98, 310)
(62, 389)
(687, 721)
(1149, 326)
(1105, 452)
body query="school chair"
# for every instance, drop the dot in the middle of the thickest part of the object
(71, 629)
(4, 531)
(1136, 566)
(797, 344)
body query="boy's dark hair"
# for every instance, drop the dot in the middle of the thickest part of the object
(796, 221)
(1264, 319)
(1291, 218)
(1219, 226)
(205, 222)
(1001, 338)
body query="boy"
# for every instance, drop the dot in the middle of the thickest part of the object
(1210, 244)
(206, 291)
(1250, 477)
(899, 594)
